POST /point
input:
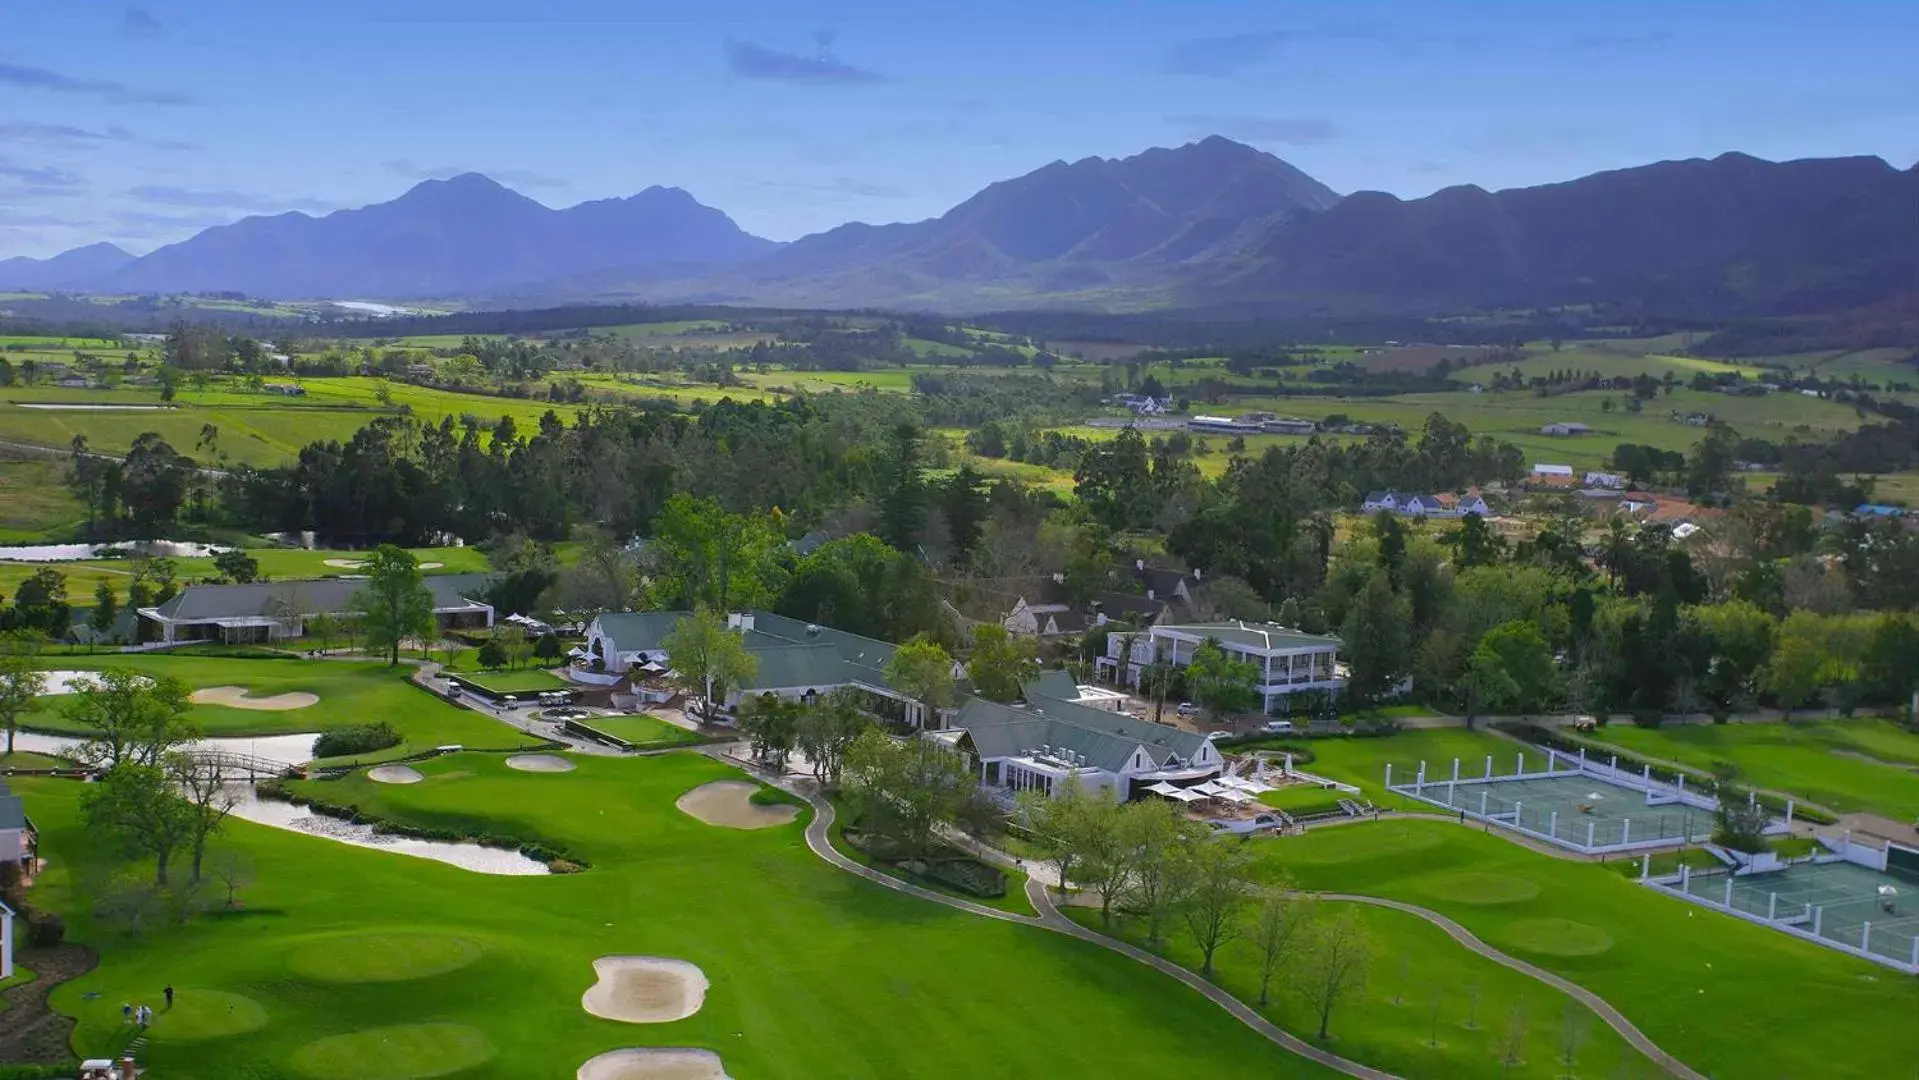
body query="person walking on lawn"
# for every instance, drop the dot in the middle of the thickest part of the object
(168, 992)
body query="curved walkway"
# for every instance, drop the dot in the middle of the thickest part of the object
(1613, 1017)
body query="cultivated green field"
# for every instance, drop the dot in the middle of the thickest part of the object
(356, 963)
(350, 693)
(84, 576)
(516, 682)
(1844, 765)
(1730, 998)
(645, 732)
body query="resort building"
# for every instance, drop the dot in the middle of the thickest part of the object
(276, 610)
(16, 835)
(626, 653)
(1289, 661)
(1038, 744)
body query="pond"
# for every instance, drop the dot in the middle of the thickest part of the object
(286, 749)
(249, 806)
(175, 549)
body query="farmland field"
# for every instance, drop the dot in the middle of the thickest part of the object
(275, 563)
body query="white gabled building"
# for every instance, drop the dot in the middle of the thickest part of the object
(1289, 661)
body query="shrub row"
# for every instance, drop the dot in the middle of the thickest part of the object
(359, 739)
(558, 860)
(952, 869)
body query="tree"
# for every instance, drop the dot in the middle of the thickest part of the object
(40, 604)
(962, 500)
(237, 566)
(708, 658)
(1337, 954)
(901, 491)
(923, 670)
(1375, 640)
(826, 728)
(204, 788)
(1061, 822)
(106, 609)
(1738, 822)
(21, 684)
(704, 557)
(547, 648)
(1512, 1042)
(1797, 664)
(1000, 663)
(130, 718)
(906, 789)
(492, 654)
(771, 723)
(512, 641)
(233, 869)
(860, 585)
(1513, 668)
(1155, 838)
(1221, 684)
(135, 804)
(394, 604)
(1474, 543)
(1890, 667)
(1216, 895)
(1572, 1036)
(1157, 680)
(1281, 926)
(324, 627)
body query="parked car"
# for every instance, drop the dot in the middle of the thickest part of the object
(1279, 727)
(1219, 734)
(1187, 708)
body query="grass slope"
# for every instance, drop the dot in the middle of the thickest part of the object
(1847, 765)
(1728, 997)
(814, 972)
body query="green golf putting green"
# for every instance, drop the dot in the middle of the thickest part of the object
(207, 1014)
(400, 1052)
(389, 957)
(1475, 888)
(1556, 937)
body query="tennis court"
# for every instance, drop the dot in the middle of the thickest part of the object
(1576, 810)
(1835, 901)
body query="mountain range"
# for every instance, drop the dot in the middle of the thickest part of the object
(1212, 224)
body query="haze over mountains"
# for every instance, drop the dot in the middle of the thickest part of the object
(1213, 224)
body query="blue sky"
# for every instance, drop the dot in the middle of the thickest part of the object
(141, 124)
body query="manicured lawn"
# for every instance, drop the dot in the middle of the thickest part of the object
(1415, 970)
(1728, 997)
(1303, 799)
(516, 682)
(645, 732)
(814, 972)
(20, 759)
(1362, 761)
(275, 564)
(350, 692)
(1847, 765)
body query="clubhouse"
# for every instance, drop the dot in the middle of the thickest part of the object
(276, 610)
(1289, 661)
(796, 660)
(1037, 744)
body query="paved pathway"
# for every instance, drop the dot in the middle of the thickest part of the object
(1613, 1017)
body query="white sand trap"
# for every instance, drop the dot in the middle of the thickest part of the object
(539, 763)
(644, 989)
(654, 1064)
(238, 697)
(394, 774)
(728, 803)
(346, 564)
(431, 565)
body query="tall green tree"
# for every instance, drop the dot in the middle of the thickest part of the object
(137, 806)
(708, 658)
(394, 604)
(106, 609)
(1375, 640)
(923, 670)
(21, 684)
(860, 585)
(1000, 663)
(1216, 894)
(40, 605)
(962, 499)
(906, 789)
(237, 566)
(827, 728)
(1220, 683)
(902, 494)
(705, 557)
(1517, 667)
(129, 717)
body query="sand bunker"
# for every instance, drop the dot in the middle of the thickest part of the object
(539, 763)
(238, 697)
(346, 564)
(654, 1064)
(729, 803)
(394, 774)
(644, 990)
